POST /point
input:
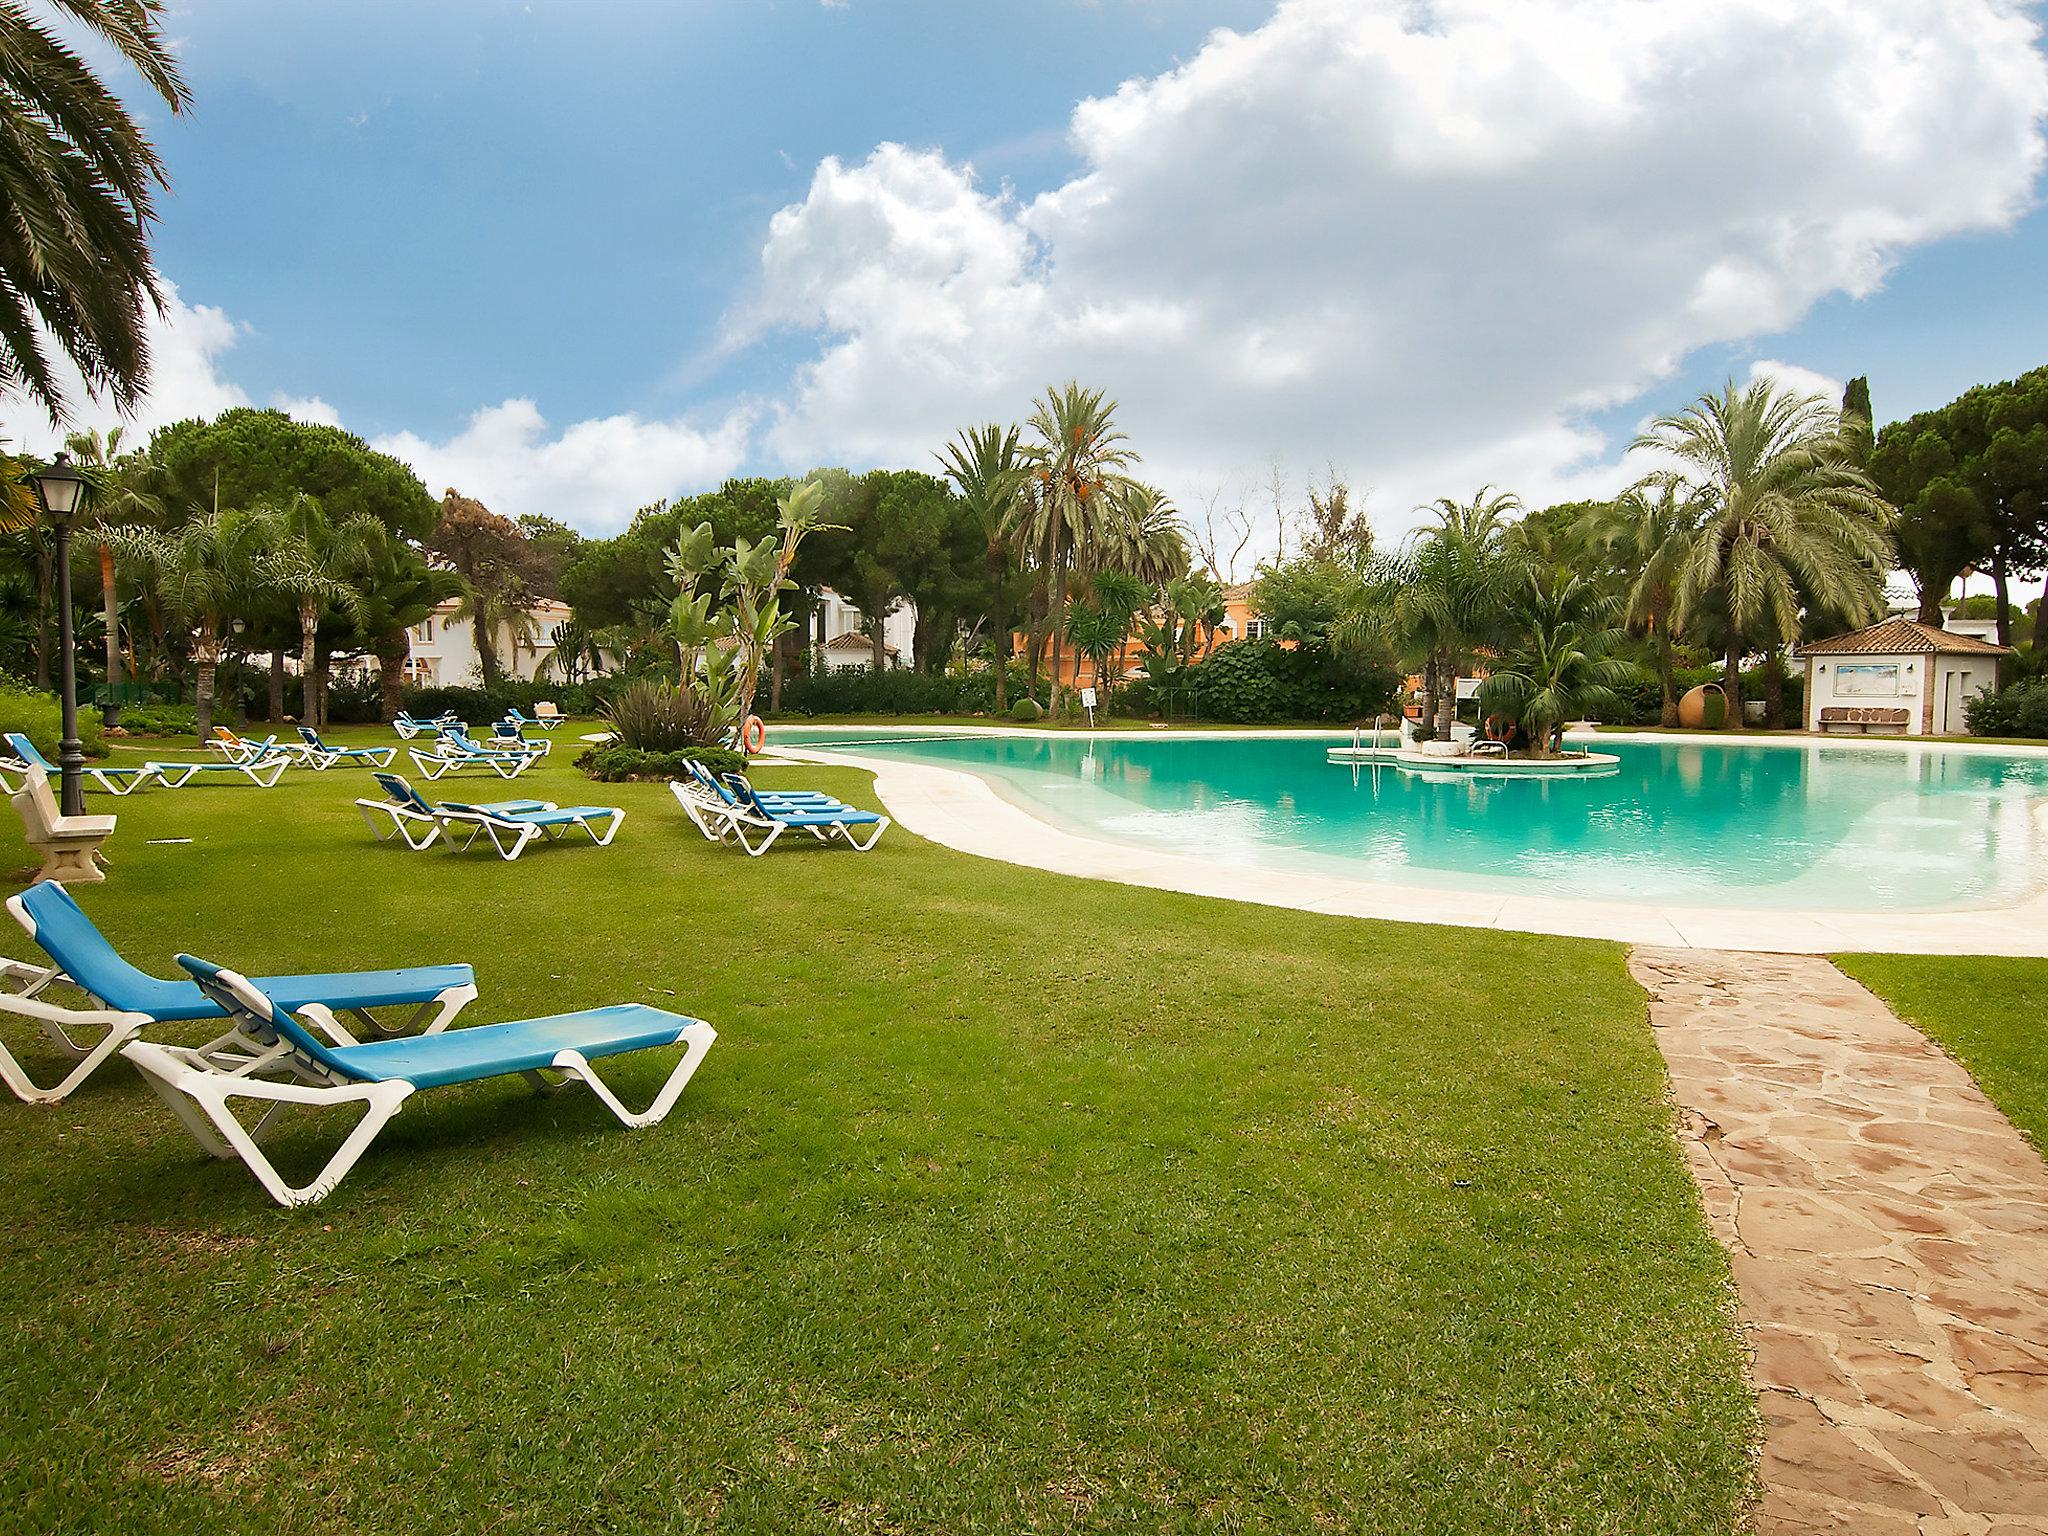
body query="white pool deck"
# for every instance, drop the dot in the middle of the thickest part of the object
(960, 810)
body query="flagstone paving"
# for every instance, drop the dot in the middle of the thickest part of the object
(1888, 1233)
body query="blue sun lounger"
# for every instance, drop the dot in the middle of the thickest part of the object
(115, 781)
(408, 814)
(381, 1076)
(322, 754)
(130, 1001)
(540, 722)
(712, 808)
(506, 736)
(510, 830)
(827, 820)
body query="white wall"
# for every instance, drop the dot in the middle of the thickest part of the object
(1869, 682)
(1952, 682)
(1957, 680)
(836, 616)
(444, 649)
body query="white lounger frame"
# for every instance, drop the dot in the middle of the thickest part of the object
(266, 770)
(510, 834)
(506, 765)
(721, 823)
(203, 1098)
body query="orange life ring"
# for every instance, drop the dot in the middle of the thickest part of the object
(753, 734)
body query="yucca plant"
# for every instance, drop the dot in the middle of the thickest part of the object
(652, 715)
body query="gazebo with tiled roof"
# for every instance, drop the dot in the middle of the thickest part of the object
(1898, 676)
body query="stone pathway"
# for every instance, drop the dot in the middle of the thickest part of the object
(1888, 1232)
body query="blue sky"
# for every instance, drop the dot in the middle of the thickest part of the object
(1428, 245)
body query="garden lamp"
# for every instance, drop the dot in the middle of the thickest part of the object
(60, 490)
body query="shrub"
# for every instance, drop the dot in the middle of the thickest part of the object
(357, 698)
(1026, 711)
(2018, 710)
(859, 691)
(655, 716)
(614, 764)
(160, 719)
(40, 718)
(1249, 681)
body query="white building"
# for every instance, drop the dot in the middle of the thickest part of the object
(839, 644)
(1898, 677)
(444, 651)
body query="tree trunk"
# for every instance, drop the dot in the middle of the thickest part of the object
(2041, 620)
(323, 674)
(1998, 586)
(878, 644)
(207, 655)
(1000, 637)
(1930, 606)
(110, 615)
(1059, 622)
(309, 680)
(1774, 690)
(1731, 685)
(1668, 717)
(486, 653)
(775, 675)
(1447, 699)
(276, 686)
(392, 649)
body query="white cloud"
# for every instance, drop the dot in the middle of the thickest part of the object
(187, 344)
(1423, 241)
(592, 475)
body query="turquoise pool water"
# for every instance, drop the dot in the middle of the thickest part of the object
(1841, 828)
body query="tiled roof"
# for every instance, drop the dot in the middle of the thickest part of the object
(853, 640)
(1903, 637)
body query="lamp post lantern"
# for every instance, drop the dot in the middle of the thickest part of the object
(61, 491)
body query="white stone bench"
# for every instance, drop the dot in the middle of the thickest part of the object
(69, 845)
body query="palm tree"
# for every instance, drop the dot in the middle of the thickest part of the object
(1648, 533)
(1100, 628)
(1788, 518)
(1558, 663)
(78, 183)
(128, 489)
(1148, 540)
(402, 591)
(1078, 485)
(206, 574)
(1436, 599)
(312, 563)
(986, 467)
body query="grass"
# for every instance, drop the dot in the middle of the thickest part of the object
(1985, 1012)
(1005, 1202)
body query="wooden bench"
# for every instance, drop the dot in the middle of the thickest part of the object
(1845, 716)
(70, 845)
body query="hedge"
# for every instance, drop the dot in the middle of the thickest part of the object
(2020, 710)
(40, 718)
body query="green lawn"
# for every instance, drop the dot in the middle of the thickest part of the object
(1005, 1202)
(1988, 1014)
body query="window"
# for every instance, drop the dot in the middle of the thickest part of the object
(1255, 629)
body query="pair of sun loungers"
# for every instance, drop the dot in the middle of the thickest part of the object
(264, 769)
(285, 1043)
(730, 809)
(506, 756)
(311, 750)
(510, 825)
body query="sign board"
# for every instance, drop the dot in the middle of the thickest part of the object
(1087, 698)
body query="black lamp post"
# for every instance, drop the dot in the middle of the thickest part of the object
(61, 490)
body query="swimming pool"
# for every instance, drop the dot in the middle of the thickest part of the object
(1823, 828)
